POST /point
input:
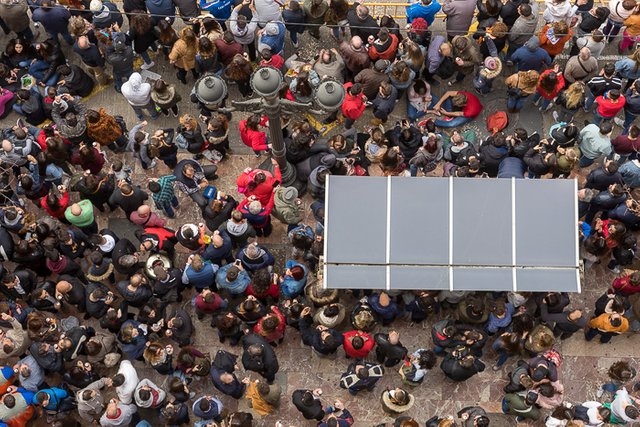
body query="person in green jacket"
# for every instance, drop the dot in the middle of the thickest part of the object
(522, 405)
(81, 215)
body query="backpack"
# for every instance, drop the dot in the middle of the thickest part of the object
(497, 122)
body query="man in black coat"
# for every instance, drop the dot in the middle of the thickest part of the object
(324, 340)
(258, 356)
(47, 356)
(223, 377)
(167, 284)
(361, 23)
(179, 327)
(124, 257)
(98, 300)
(128, 197)
(19, 284)
(601, 178)
(71, 290)
(308, 403)
(135, 291)
(460, 367)
(389, 349)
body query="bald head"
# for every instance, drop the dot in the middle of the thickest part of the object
(144, 210)
(83, 42)
(356, 42)
(76, 210)
(217, 241)
(6, 145)
(585, 53)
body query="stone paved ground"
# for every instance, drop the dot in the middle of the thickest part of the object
(584, 365)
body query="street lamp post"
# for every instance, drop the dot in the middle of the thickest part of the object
(266, 83)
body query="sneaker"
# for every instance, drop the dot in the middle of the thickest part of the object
(496, 368)
(296, 44)
(599, 392)
(555, 116)
(509, 63)
(538, 101)
(256, 154)
(146, 66)
(20, 123)
(544, 110)
(615, 270)
(618, 122)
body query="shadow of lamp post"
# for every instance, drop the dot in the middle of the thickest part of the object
(266, 83)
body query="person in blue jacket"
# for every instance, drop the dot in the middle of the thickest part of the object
(425, 9)
(233, 278)
(198, 273)
(133, 339)
(272, 37)
(294, 279)
(220, 9)
(161, 9)
(385, 307)
(53, 400)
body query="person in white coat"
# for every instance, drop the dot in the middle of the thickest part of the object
(125, 382)
(149, 395)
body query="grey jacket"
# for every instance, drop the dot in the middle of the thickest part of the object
(523, 29)
(14, 14)
(89, 409)
(459, 15)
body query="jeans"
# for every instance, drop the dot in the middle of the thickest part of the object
(209, 173)
(516, 104)
(611, 29)
(65, 35)
(605, 337)
(145, 57)
(510, 49)
(167, 207)
(455, 121)
(294, 36)
(18, 107)
(39, 69)
(598, 118)
(585, 161)
(150, 107)
(629, 118)
(589, 100)
(413, 112)
(545, 101)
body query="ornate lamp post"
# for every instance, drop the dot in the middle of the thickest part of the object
(211, 91)
(266, 83)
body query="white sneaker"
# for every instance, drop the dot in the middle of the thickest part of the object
(296, 44)
(618, 121)
(599, 392)
(555, 116)
(146, 66)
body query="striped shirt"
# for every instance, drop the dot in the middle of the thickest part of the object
(166, 193)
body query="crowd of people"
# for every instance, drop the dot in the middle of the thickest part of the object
(83, 310)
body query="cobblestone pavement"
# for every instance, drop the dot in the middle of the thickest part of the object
(584, 365)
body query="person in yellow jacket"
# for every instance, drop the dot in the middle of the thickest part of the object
(607, 326)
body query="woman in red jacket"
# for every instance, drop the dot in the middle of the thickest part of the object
(354, 104)
(549, 86)
(55, 204)
(259, 183)
(357, 344)
(627, 285)
(252, 136)
(271, 327)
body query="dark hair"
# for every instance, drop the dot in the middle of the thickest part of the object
(357, 342)
(307, 398)
(117, 380)
(606, 128)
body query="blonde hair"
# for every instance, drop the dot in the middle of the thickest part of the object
(188, 121)
(574, 95)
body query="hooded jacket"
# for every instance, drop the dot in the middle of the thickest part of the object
(531, 56)
(288, 212)
(137, 93)
(244, 35)
(120, 55)
(267, 11)
(272, 37)
(94, 406)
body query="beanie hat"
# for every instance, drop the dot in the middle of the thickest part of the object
(95, 6)
(490, 63)
(419, 26)
(381, 64)
(290, 194)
